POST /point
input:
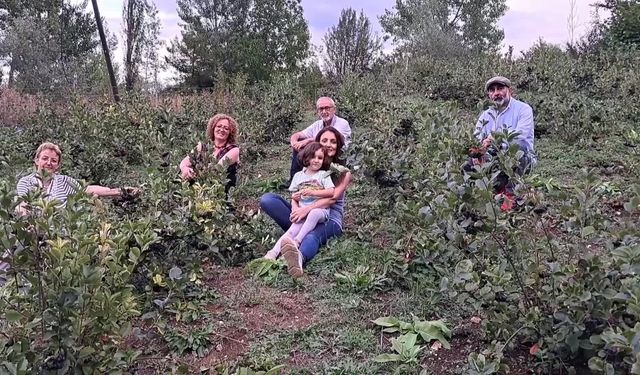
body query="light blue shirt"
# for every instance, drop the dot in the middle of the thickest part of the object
(517, 117)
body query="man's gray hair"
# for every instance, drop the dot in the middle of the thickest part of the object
(333, 104)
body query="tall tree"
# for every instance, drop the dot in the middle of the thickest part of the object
(623, 27)
(226, 37)
(445, 28)
(141, 29)
(212, 33)
(351, 46)
(46, 44)
(281, 35)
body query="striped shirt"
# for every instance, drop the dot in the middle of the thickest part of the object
(60, 188)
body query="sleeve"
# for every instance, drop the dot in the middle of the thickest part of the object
(525, 128)
(327, 183)
(479, 131)
(25, 185)
(309, 130)
(72, 186)
(344, 129)
(295, 181)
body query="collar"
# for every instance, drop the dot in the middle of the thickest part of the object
(333, 122)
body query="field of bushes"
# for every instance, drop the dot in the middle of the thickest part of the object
(430, 276)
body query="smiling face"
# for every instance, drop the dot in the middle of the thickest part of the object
(326, 109)
(499, 94)
(48, 160)
(329, 141)
(221, 130)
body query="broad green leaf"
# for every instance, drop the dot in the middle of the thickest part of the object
(383, 358)
(587, 231)
(12, 368)
(12, 315)
(85, 352)
(386, 321)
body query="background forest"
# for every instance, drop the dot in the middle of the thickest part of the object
(430, 277)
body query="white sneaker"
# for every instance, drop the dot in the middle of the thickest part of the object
(292, 256)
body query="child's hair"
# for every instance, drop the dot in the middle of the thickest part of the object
(309, 151)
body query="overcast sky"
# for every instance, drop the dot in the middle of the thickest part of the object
(525, 22)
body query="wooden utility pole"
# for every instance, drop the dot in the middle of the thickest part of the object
(105, 51)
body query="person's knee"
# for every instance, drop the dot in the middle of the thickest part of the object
(317, 212)
(267, 200)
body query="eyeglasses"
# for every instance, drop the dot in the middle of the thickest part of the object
(320, 109)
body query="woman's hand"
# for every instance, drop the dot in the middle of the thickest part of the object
(187, 173)
(130, 191)
(299, 214)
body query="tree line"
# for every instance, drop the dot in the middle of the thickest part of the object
(52, 46)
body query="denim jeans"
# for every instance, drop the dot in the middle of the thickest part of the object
(279, 210)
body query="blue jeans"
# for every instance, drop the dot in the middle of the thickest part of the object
(279, 210)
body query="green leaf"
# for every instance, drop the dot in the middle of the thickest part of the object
(12, 315)
(11, 367)
(587, 231)
(464, 266)
(386, 321)
(382, 358)
(274, 370)
(85, 352)
(609, 370)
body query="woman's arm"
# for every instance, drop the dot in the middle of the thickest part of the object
(103, 191)
(231, 157)
(302, 212)
(186, 169)
(323, 193)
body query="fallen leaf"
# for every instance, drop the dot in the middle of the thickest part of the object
(534, 349)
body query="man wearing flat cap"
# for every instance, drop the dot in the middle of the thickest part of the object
(506, 114)
(509, 114)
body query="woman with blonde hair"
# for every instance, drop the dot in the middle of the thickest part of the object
(221, 131)
(58, 186)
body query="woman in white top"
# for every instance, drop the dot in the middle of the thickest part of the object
(57, 186)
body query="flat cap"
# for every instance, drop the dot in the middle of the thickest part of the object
(500, 80)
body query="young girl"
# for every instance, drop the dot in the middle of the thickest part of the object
(308, 185)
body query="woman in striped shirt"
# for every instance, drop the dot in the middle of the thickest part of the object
(57, 186)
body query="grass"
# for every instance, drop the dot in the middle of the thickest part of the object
(338, 336)
(320, 325)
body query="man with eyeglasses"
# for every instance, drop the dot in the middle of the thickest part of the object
(326, 108)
